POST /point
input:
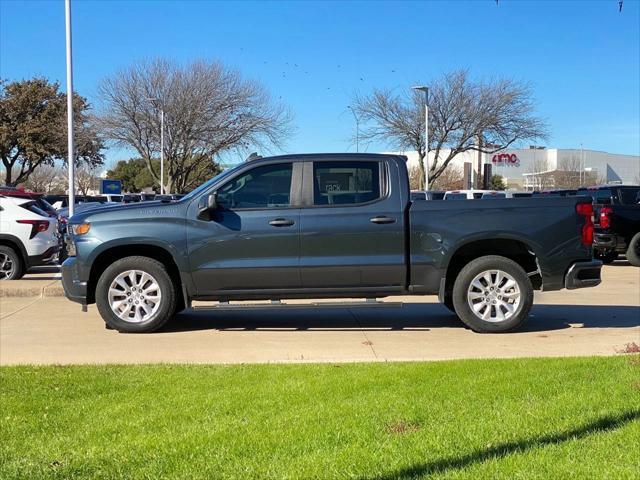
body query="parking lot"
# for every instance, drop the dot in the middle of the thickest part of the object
(52, 330)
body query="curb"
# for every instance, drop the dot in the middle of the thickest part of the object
(49, 289)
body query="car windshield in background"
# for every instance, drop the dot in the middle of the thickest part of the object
(455, 196)
(629, 196)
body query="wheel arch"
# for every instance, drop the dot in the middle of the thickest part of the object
(15, 243)
(515, 249)
(109, 255)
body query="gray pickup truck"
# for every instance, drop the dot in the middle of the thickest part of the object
(326, 226)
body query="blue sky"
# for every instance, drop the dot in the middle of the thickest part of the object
(581, 57)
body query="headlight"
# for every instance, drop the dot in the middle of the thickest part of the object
(81, 229)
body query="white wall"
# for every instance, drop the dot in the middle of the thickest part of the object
(613, 167)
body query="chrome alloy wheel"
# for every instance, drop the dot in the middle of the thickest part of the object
(493, 296)
(134, 296)
(7, 266)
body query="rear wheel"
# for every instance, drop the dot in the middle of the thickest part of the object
(633, 250)
(11, 267)
(136, 295)
(492, 294)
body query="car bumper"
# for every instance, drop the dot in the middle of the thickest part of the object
(609, 241)
(49, 256)
(75, 289)
(583, 274)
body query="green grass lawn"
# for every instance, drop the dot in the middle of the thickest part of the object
(534, 418)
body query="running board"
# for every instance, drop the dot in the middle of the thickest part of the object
(279, 304)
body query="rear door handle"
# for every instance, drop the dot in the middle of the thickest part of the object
(281, 222)
(382, 219)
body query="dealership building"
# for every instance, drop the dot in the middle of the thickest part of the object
(537, 167)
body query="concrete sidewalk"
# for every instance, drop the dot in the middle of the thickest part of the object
(597, 321)
(38, 282)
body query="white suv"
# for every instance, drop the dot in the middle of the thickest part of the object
(28, 237)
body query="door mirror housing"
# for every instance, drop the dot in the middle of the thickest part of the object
(207, 205)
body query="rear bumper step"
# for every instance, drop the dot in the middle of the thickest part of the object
(583, 274)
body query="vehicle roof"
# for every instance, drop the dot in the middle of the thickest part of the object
(14, 200)
(16, 193)
(331, 156)
(598, 187)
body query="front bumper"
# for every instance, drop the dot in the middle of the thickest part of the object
(75, 289)
(583, 274)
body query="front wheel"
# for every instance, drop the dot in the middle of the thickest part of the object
(492, 294)
(136, 295)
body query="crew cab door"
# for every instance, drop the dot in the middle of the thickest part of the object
(251, 241)
(351, 226)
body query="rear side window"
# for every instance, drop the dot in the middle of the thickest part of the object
(346, 183)
(32, 207)
(268, 186)
(629, 196)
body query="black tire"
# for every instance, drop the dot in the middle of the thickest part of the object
(461, 291)
(16, 265)
(605, 256)
(633, 250)
(166, 306)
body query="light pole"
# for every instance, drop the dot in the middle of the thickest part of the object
(426, 134)
(159, 102)
(71, 155)
(355, 115)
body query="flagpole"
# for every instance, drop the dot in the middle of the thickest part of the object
(71, 155)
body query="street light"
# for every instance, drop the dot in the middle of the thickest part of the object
(355, 115)
(426, 134)
(157, 101)
(71, 155)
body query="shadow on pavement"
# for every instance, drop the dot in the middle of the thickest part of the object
(410, 316)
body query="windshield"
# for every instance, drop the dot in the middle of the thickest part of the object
(208, 183)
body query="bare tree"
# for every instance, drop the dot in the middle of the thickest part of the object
(86, 179)
(42, 178)
(450, 179)
(569, 173)
(208, 109)
(486, 116)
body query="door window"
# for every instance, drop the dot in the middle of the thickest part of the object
(268, 186)
(345, 183)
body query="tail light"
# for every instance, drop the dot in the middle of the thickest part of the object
(586, 210)
(604, 219)
(37, 226)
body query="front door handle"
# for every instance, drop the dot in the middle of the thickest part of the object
(382, 219)
(281, 222)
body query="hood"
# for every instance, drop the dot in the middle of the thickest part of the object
(130, 211)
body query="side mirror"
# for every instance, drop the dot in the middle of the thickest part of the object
(212, 201)
(207, 205)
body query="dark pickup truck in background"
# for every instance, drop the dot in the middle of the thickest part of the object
(617, 222)
(326, 226)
